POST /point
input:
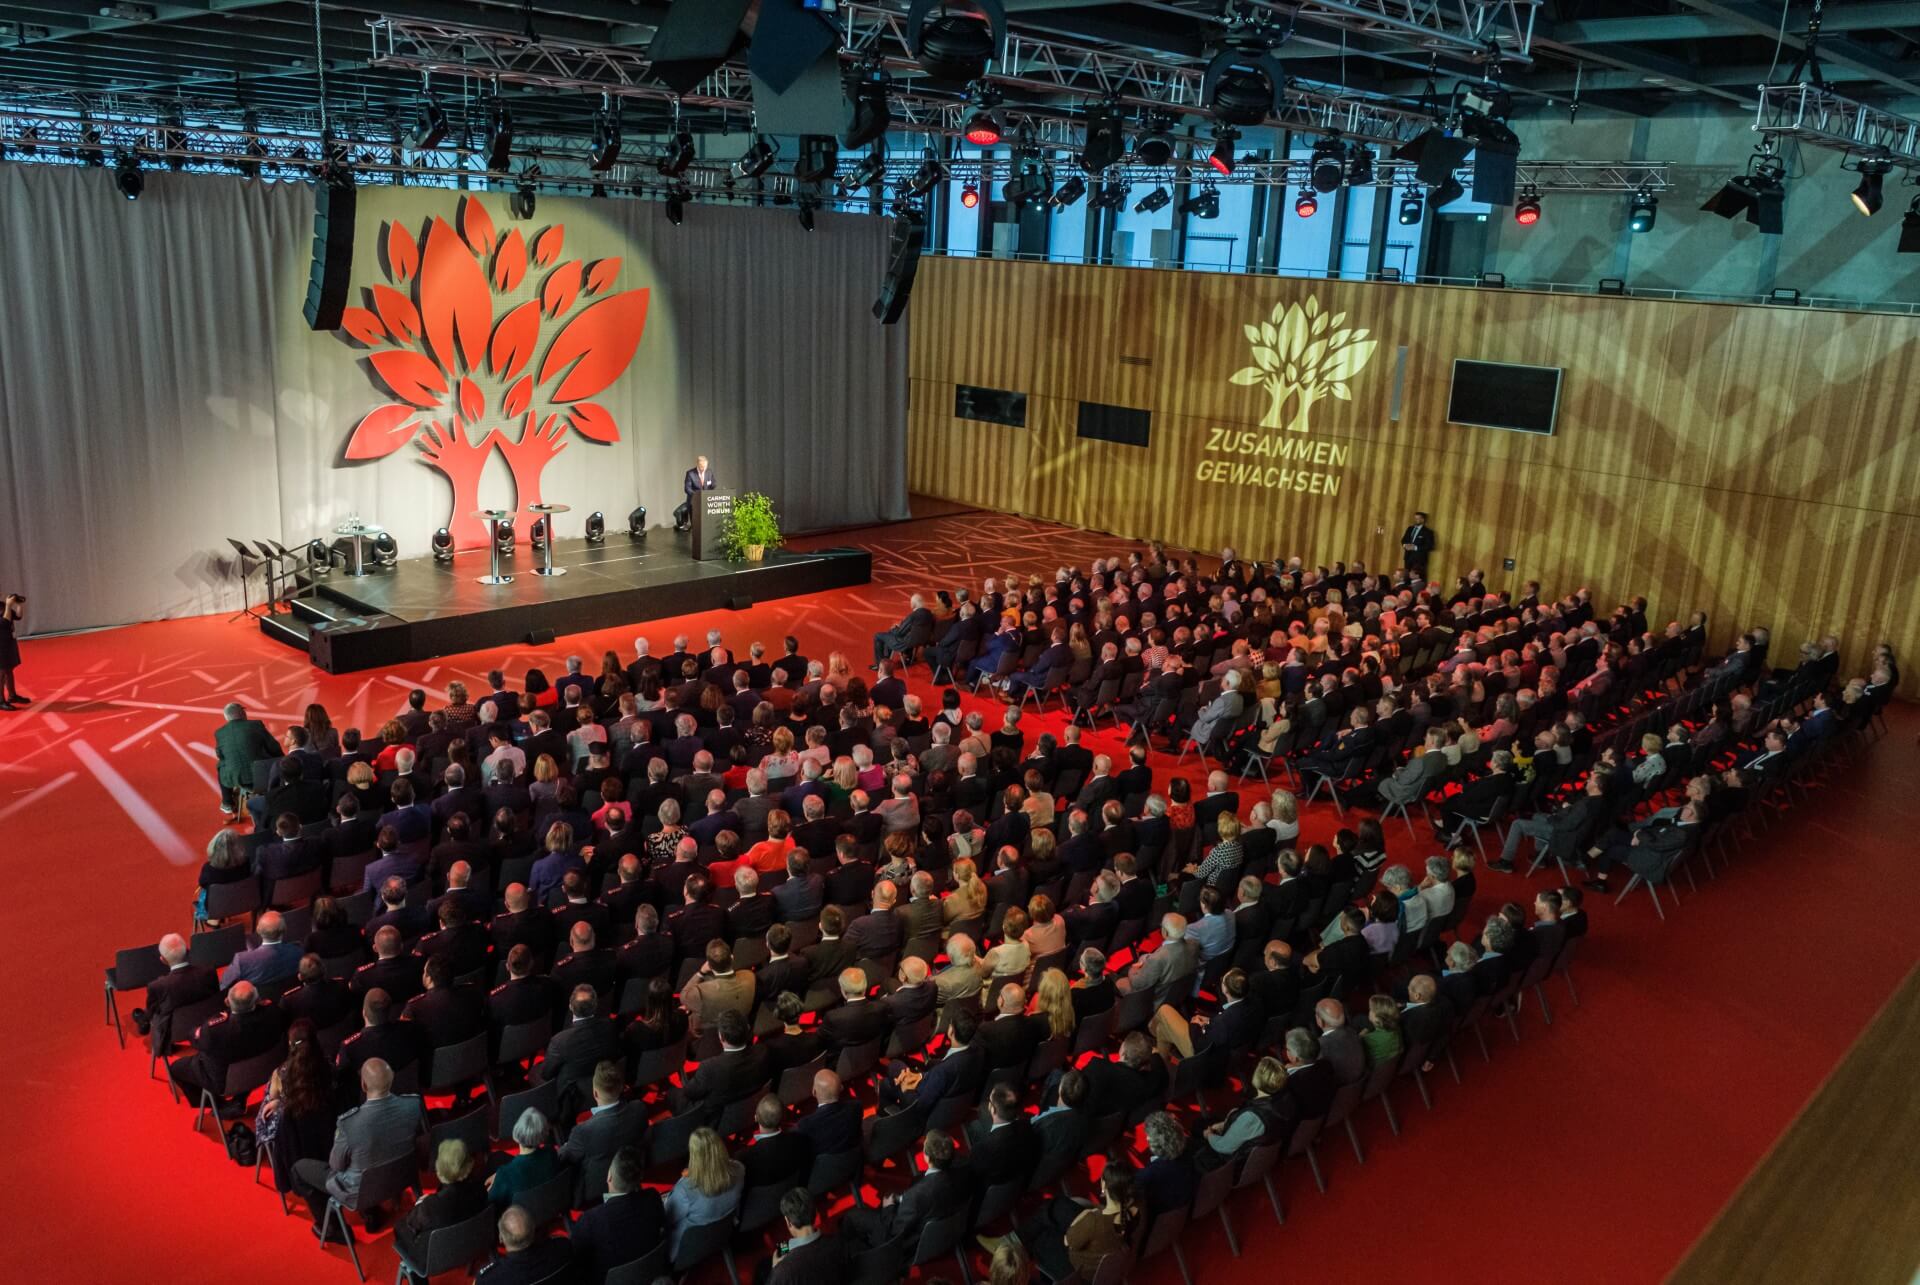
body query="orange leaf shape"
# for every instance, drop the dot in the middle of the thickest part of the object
(513, 340)
(517, 398)
(602, 274)
(397, 312)
(472, 404)
(602, 340)
(510, 264)
(546, 246)
(477, 225)
(385, 430)
(412, 377)
(561, 289)
(403, 253)
(454, 301)
(594, 423)
(363, 325)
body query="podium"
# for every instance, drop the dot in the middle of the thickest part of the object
(710, 513)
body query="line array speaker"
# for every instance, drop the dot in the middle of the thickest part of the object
(332, 271)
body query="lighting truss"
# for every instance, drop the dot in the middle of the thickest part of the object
(1821, 118)
(1559, 177)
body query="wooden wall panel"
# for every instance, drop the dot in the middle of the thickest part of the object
(1762, 464)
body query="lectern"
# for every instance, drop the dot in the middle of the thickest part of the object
(711, 512)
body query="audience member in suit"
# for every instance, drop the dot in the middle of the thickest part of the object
(717, 989)
(753, 911)
(576, 1049)
(1168, 971)
(914, 630)
(802, 894)
(856, 1019)
(527, 1257)
(936, 1193)
(381, 1035)
(392, 910)
(443, 1013)
(1008, 1148)
(694, 924)
(611, 1123)
(876, 934)
(913, 996)
(523, 924)
(1347, 955)
(739, 1068)
(1123, 1084)
(525, 997)
(1425, 1017)
(183, 984)
(392, 971)
(628, 1223)
(587, 963)
(384, 1127)
(650, 953)
(833, 1126)
(463, 942)
(961, 1070)
(1011, 1037)
(808, 1255)
(324, 1001)
(395, 860)
(248, 1028)
(308, 798)
(288, 855)
(456, 879)
(238, 744)
(1340, 1046)
(1168, 1179)
(1218, 802)
(777, 1157)
(1236, 1025)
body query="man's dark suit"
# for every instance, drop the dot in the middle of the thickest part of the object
(694, 481)
(325, 1003)
(914, 630)
(1312, 1088)
(781, 1160)
(1004, 1153)
(850, 883)
(572, 1054)
(1011, 1040)
(532, 928)
(223, 1040)
(172, 991)
(448, 1015)
(615, 1231)
(1422, 540)
(520, 1000)
(802, 898)
(936, 1194)
(824, 1258)
(874, 935)
(833, 1128)
(727, 1076)
(846, 1025)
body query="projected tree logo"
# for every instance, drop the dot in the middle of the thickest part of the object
(1300, 356)
(445, 339)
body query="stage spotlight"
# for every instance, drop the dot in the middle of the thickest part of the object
(1154, 200)
(443, 545)
(1243, 86)
(1224, 137)
(1869, 195)
(1306, 205)
(1910, 230)
(537, 533)
(985, 123)
(128, 176)
(319, 557)
(1360, 166)
(1328, 165)
(924, 179)
(954, 45)
(1526, 212)
(1031, 184)
(970, 195)
(1413, 206)
(385, 551)
(1155, 144)
(596, 527)
(1760, 194)
(606, 139)
(499, 148)
(819, 157)
(1069, 192)
(679, 154)
(637, 523)
(1644, 209)
(1203, 205)
(760, 154)
(523, 200)
(503, 536)
(431, 129)
(867, 173)
(1106, 138)
(1111, 196)
(677, 205)
(871, 113)
(806, 215)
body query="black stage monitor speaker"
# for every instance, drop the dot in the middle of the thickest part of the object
(908, 235)
(332, 255)
(739, 602)
(539, 637)
(694, 39)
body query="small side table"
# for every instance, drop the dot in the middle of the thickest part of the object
(358, 531)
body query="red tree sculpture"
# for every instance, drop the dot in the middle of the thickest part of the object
(455, 369)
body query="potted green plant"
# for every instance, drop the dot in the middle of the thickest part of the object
(752, 530)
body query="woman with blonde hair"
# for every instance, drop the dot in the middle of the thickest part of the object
(1285, 821)
(1053, 1000)
(839, 670)
(546, 780)
(781, 763)
(968, 900)
(708, 1190)
(1382, 1036)
(460, 1195)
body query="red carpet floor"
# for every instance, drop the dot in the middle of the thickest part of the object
(1596, 1150)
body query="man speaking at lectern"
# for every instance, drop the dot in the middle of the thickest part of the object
(699, 478)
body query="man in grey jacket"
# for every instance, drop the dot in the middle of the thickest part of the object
(383, 1128)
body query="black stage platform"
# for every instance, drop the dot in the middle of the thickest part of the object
(419, 608)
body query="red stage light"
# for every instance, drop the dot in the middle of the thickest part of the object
(983, 130)
(970, 196)
(1306, 206)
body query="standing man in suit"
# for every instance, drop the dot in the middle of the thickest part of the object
(238, 744)
(698, 478)
(1417, 541)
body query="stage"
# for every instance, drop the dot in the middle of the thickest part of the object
(419, 608)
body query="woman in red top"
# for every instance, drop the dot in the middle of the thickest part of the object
(393, 738)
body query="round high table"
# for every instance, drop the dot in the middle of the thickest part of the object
(546, 512)
(493, 518)
(358, 531)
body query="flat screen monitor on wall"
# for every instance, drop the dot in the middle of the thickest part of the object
(1497, 394)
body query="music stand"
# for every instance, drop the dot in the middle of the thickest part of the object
(246, 601)
(493, 518)
(546, 512)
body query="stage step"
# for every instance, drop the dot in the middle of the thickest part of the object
(291, 630)
(319, 611)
